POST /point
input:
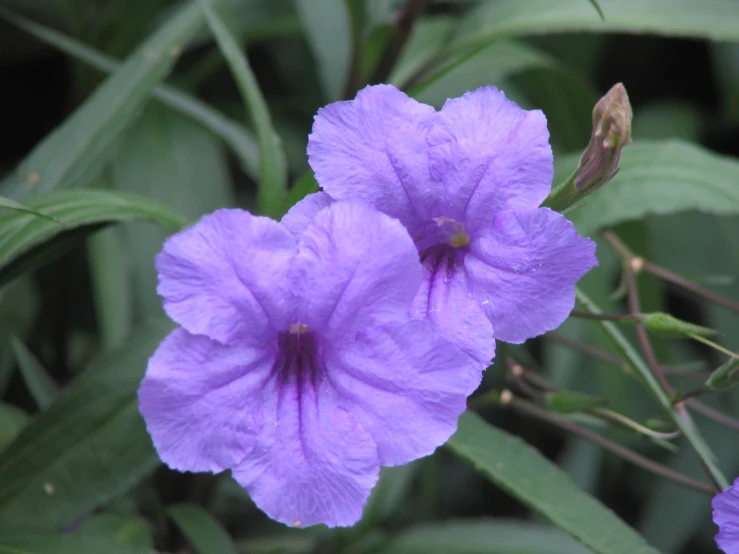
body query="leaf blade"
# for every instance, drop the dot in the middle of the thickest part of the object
(202, 530)
(527, 475)
(273, 166)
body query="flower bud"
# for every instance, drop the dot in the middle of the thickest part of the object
(611, 132)
(599, 162)
(664, 324)
(724, 377)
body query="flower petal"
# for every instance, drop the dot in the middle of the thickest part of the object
(726, 515)
(404, 383)
(373, 148)
(355, 265)
(302, 214)
(446, 301)
(198, 399)
(226, 276)
(491, 155)
(313, 462)
(524, 268)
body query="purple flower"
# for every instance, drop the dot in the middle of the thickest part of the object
(726, 516)
(466, 182)
(297, 365)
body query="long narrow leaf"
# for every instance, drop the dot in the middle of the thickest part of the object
(527, 475)
(74, 153)
(235, 135)
(40, 385)
(273, 166)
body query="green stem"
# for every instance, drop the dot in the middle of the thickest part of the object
(640, 367)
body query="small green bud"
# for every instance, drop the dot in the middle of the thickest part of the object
(599, 162)
(664, 324)
(724, 377)
(568, 402)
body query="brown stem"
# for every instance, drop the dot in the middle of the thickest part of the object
(675, 279)
(630, 455)
(713, 414)
(589, 350)
(403, 27)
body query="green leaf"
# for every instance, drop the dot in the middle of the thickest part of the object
(130, 530)
(87, 448)
(111, 286)
(528, 476)
(203, 531)
(427, 38)
(38, 541)
(272, 160)
(43, 389)
(327, 27)
(12, 420)
(73, 154)
(80, 212)
(486, 66)
(658, 178)
(304, 186)
(17, 206)
(235, 135)
(486, 536)
(168, 159)
(709, 19)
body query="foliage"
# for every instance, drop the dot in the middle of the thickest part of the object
(125, 121)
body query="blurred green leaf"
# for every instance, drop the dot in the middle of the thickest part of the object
(389, 493)
(487, 536)
(528, 476)
(667, 120)
(81, 212)
(203, 531)
(489, 65)
(12, 420)
(87, 448)
(427, 38)
(273, 167)
(327, 27)
(169, 159)
(38, 541)
(235, 135)
(74, 153)
(726, 71)
(658, 178)
(129, 530)
(43, 389)
(304, 186)
(110, 273)
(9, 204)
(710, 19)
(18, 310)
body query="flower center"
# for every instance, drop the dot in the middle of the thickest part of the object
(297, 357)
(442, 231)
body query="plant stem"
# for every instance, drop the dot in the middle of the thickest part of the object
(635, 458)
(630, 318)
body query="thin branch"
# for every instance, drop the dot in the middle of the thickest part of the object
(629, 318)
(675, 279)
(713, 414)
(603, 355)
(633, 457)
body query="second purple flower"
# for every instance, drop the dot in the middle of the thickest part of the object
(466, 182)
